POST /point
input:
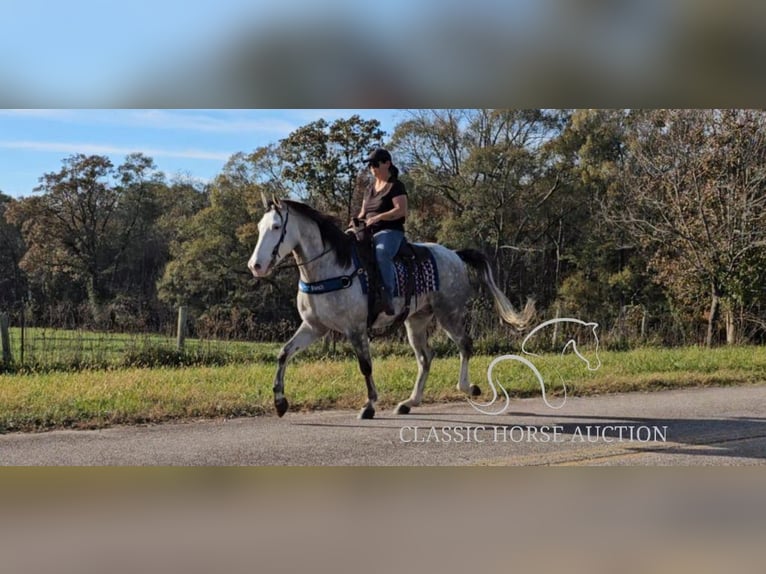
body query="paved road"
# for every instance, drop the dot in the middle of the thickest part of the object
(717, 426)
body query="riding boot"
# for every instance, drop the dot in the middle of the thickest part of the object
(388, 304)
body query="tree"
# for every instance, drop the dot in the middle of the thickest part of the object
(208, 270)
(12, 281)
(601, 270)
(694, 195)
(85, 220)
(323, 161)
(477, 176)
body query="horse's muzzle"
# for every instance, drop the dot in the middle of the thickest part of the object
(257, 269)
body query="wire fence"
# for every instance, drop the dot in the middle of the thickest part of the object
(36, 348)
(29, 345)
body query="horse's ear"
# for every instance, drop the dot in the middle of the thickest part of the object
(265, 201)
(275, 201)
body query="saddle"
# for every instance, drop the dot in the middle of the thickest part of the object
(409, 254)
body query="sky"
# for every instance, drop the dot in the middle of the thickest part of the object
(189, 143)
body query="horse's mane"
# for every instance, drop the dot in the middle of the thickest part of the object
(329, 230)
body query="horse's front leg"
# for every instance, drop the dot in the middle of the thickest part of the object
(361, 344)
(303, 337)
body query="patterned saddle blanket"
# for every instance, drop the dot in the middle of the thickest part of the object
(426, 276)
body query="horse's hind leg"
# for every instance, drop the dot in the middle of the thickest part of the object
(454, 324)
(417, 333)
(303, 337)
(361, 344)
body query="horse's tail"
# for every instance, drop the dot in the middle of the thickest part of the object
(479, 261)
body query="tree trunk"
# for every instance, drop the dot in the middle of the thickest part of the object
(715, 300)
(95, 300)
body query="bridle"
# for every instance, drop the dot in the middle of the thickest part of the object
(275, 251)
(316, 287)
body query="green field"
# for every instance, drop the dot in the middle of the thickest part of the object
(71, 350)
(102, 397)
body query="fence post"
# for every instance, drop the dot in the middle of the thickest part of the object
(23, 330)
(181, 329)
(643, 323)
(555, 337)
(6, 339)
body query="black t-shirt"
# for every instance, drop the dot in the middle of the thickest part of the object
(377, 203)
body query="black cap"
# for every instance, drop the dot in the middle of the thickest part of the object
(379, 154)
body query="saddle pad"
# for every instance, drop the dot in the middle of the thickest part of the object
(426, 277)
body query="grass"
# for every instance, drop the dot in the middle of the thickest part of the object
(99, 398)
(47, 350)
(60, 350)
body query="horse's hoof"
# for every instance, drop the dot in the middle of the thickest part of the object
(281, 405)
(402, 410)
(367, 413)
(474, 391)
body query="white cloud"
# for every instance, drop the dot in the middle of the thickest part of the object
(229, 122)
(279, 123)
(100, 149)
(221, 121)
(38, 113)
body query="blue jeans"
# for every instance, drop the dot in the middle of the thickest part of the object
(387, 243)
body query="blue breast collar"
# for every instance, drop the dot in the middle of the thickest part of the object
(334, 283)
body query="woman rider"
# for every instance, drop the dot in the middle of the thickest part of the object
(385, 209)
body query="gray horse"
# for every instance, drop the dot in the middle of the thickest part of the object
(324, 256)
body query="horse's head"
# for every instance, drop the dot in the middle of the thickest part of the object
(276, 239)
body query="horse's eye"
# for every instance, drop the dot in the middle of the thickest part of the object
(276, 228)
